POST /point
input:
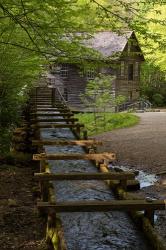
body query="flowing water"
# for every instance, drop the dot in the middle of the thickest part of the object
(89, 230)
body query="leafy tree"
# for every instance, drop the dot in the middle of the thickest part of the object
(45, 23)
(18, 71)
(153, 83)
(99, 97)
(153, 71)
(153, 45)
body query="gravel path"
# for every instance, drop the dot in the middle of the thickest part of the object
(141, 146)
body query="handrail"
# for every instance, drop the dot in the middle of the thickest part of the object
(142, 105)
(61, 96)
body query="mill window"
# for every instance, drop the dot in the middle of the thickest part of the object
(90, 74)
(122, 68)
(136, 69)
(130, 72)
(64, 70)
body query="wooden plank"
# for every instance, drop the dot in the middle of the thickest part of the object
(60, 156)
(48, 105)
(103, 206)
(56, 120)
(53, 109)
(84, 176)
(44, 105)
(67, 142)
(45, 97)
(60, 125)
(53, 114)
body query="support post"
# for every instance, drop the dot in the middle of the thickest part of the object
(150, 215)
(85, 135)
(53, 97)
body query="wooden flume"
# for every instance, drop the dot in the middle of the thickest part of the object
(129, 202)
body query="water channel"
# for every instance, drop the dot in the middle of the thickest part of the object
(89, 231)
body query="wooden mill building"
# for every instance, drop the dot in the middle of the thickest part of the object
(121, 57)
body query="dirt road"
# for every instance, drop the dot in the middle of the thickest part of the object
(143, 147)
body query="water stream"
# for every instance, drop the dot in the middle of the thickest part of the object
(89, 231)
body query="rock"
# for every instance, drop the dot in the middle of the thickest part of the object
(136, 172)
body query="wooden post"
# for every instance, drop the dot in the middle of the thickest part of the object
(53, 97)
(85, 135)
(149, 213)
(78, 130)
(43, 184)
(42, 166)
(123, 184)
(36, 93)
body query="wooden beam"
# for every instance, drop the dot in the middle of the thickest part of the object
(53, 114)
(84, 176)
(43, 105)
(60, 125)
(67, 142)
(48, 104)
(56, 120)
(53, 109)
(60, 156)
(103, 206)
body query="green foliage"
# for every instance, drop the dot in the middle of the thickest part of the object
(113, 121)
(42, 25)
(18, 71)
(98, 92)
(154, 42)
(4, 140)
(153, 83)
(100, 97)
(158, 99)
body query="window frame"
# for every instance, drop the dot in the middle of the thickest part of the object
(90, 73)
(130, 73)
(64, 70)
(137, 65)
(122, 68)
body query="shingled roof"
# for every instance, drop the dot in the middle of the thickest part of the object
(108, 43)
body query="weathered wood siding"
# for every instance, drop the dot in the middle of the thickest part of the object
(75, 82)
(74, 85)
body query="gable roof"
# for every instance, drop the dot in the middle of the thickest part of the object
(108, 43)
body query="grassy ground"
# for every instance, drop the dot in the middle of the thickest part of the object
(112, 121)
